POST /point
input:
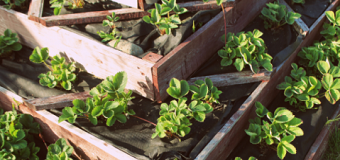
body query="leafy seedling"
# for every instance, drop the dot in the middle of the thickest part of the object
(60, 150)
(332, 30)
(281, 129)
(113, 35)
(165, 24)
(246, 49)
(276, 15)
(205, 91)
(10, 4)
(58, 4)
(8, 43)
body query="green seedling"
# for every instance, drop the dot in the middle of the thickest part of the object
(276, 15)
(165, 24)
(16, 136)
(205, 91)
(8, 43)
(10, 4)
(60, 74)
(246, 49)
(175, 118)
(250, 158)
(178, 89)
(281, 129)
(113, 35)
(60, 150)
(58, 4)
(108, 101)
(298, 1)
(332, 30)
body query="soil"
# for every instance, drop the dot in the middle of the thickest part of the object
(311, 10)
(313, 122)
(23, 8)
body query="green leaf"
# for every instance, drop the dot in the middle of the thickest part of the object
(281, 151)
(289, 147)
(257, 33)
(67, 113)
(97, 111)
(239, 64)
(335, 71)
(327, 81)
(199, 116)
(283, 116)
(330, 16)
(332, 95)
(295, 131)
(288, 139)
(336, 84)
(295, 122)
(39, 55)
(323, 67)
(121, 118)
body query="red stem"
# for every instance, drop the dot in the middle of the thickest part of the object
(225, 25)
(40, 135)
(144, 120)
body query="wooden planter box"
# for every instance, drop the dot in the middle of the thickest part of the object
(233, 131)
(36, 10)
(149, 76)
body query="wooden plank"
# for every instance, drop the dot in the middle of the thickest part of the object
(91, 17)
(228, 139)
(86, 145)
(200, 5)
(53, 102)
(228, 79)
(299, 25)
(193, 52)
(320, 144)
(35, 10)
(141, 4)
(152, 57)
(90, 55)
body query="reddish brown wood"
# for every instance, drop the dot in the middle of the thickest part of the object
(189, 55)
(52, 102)
(229, 79)
(141, 4)
(152, 57)
(91, 17)
(35, 10)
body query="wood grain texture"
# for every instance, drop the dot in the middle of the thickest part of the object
(53, 102)
(86, 145)
(90, 55)
(193, 52)
(299, 25)
(91, 17)
(141, 4)
(228, 79)
(35, 10)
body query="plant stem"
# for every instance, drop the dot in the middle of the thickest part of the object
(144, 120)
(225, 25)
(40, 135)
(48, 66)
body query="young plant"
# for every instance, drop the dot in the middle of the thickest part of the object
(165, 24)
(113, 35)
(60, 150)
(109, 101)
(332, 31)
(16, 136)
(175, 118)
(58, 4)
(60, 74)
(250, 158)
(298, 1)
(205, 91)
(276, 15)
(8, 43)
(281, 129)
(12, 3)
(247, 49)
(306, 88)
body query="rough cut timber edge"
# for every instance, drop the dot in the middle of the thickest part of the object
(99, 16)
(35, 10)
(90, 55)
(86, 145)
(231, 134)
(182, 61)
